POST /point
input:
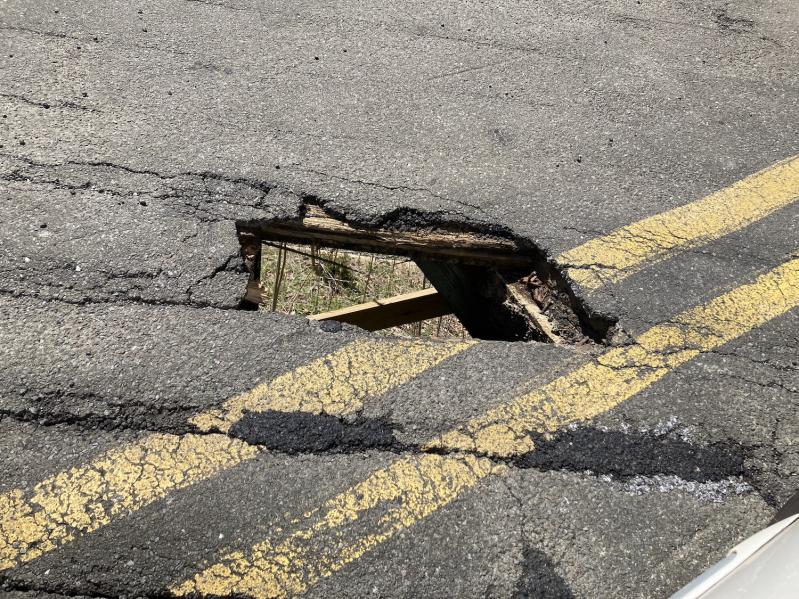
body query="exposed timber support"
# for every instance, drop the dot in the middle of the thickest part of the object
(391, 311)
(318, 227)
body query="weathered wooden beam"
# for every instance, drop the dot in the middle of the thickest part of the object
(391, 311)
(254, 294)
(319, 227)
(541, 322)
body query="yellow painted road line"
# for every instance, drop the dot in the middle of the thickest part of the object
(403, 493)
(324, 543)
(84, 498)
(338, 383)
(120, 481)
(613, 257)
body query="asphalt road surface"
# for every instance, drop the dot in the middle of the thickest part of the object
(157, 441)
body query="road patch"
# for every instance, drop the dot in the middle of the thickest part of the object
(298, 432)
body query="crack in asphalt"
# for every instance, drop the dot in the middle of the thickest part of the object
(425, 190)
(761, 384)
(220, 4)
(233, 263)
(9, 584)
(262, 186)
(627, 454)
(794, 367)
(129, 299)
(53, 34)
(624, 455)
(51, 104)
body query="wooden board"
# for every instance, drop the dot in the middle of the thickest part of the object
(392, 311)
(317, 226)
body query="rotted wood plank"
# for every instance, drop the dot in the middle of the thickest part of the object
(319, 227)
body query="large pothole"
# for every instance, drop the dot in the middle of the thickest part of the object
(486, 285)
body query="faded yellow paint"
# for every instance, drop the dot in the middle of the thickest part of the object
(613, 257)
(82, 499)
(620, 373)
(335, 384)
(403, 493)
(414, 487)
(120, 481)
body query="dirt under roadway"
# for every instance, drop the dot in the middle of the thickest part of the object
(136, 137)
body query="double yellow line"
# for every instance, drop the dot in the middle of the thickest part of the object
(612, 258)
(347, 526)
(82, 499)
(78, 501)
(350, 524)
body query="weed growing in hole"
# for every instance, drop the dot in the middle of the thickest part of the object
(308, 280)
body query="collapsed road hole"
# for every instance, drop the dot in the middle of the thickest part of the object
(437, 280)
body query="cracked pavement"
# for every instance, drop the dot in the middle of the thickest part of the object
(156, 440)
